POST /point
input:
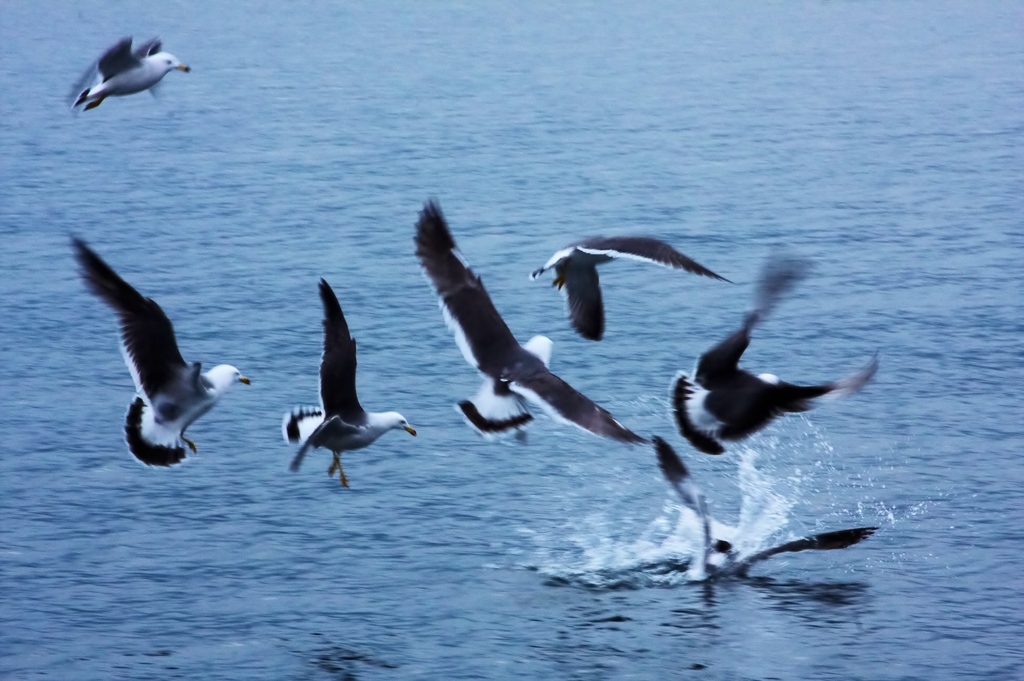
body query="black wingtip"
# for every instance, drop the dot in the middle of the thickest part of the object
(432, 233)
(671, 465)
(332, 308)
(98, 275)
(590, 328)
(841, 539)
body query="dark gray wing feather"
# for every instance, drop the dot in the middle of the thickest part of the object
(828, 541)
(646, 248)
(677, 475)
(338, 366)
(721, 362)
(118, 59)
(463, 294)
(147, 333)
(583, 293)
(147, 49)
(559, 397)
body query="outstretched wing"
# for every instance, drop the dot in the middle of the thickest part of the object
(583, 296)
(777, 278)
(827, 541)
(677, 475)
(721, 362)
(338, 366)
(118, 59)
(645, 249)
(151, 350)
(480, 332)
(560, 400)
(147, 49)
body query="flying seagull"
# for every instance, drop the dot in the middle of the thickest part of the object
(170, 394)
(340, 424)
(723, 402)
(123, 71)
(514, 375)
(576, 270)
(719, 556)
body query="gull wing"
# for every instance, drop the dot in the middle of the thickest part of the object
(677, 475)
(151, 351)
(645, 249)
(338, 365)
(583, 295)
(147, 49)
(828, 541)
(151, 453)
(777, 278)
(561, 401)
(118, 59)
(480, 332)
(700, 439)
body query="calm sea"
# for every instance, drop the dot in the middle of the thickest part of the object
(881, 140)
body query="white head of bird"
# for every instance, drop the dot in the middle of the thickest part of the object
(167, 61)
(392, 420)
(223, 376)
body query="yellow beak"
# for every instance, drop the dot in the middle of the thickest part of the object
(410, 430)
(245, 380)
(182, 67)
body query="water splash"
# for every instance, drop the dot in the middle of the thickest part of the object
(669, 550)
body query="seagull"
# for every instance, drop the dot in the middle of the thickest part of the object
(125, 72)
(340, 424)
(719, 556)
(514, 375)
(724, 402)
(576, 270)
(170, 394)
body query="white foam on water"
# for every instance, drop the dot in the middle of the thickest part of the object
(670, 549)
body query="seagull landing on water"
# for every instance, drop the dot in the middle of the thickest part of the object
(514, 374)
(340, 424)
(576, 269)
(171, 394)
(723, 402)
(122, 71)
(719, 557)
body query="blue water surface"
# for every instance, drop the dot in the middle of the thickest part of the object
(881, 140)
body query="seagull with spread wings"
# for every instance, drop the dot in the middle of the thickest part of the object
(340, 424)
(123, 71)
(723, 402)
(576, 270)
(514, 375)
(171, 394)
